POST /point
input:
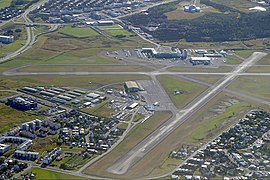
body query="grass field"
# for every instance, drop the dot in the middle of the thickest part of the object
(137, 134)
(78, 32)
(199, 69)
(6, 94)
(190, 90)
(265, 60)
(5, 3)
(43, 174)
(71, 81)
(118, 32)
(257, 86)
(231, 59)
(212, 126)
(99, 110)
(109, 27)
(245, 53)
(259, 69)
(242, 5)
(207, 79)
(11, 117)
(88, 68)
(44, 144)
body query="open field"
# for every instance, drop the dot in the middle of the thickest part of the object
(44, 144)
(244, 53)
(137, 134)
(199, 69)
(6, 94)
(71, 81)
(42, 174)
(242, 5)
(208, 127)
(259, 69)
(207, 79)
(118, 32)
(253, 86)
(190, 90)
(11, 117)
(5, 3)
(99, 110)
(78, 32)
(265, 60)
(88, 68)
(231, 59)
(109, 27)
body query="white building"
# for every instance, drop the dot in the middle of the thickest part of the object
(6, 39)
(4, 148)
(192, 8)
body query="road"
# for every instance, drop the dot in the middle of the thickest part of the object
(31, 38)
(139, 151)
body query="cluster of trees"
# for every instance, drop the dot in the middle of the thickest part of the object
(230, 25)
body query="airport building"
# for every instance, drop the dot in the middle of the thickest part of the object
(132, 86)
(200, 60)
(163, 52)
(21, 103)
(6, 39)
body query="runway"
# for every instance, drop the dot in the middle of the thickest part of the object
(138, 152)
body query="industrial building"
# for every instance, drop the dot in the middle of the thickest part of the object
(200, 60)
(132, 86)
(6, 39)
(163, 52)
(22, 103)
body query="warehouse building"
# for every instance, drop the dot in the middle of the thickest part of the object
(163, 52)
(6, 39)
(132, 86)
(200, 60)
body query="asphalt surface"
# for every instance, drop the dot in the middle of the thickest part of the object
(137, 153)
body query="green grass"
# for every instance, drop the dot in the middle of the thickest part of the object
(10, 117)
(190, 90)
(255, 86)
(244, 53)
(78, 32)
(210, 126)
(5, 3)
(207, 79)
(259, 69)
(6, 94)
(43, 174)
(44, 144)
(265, 60)
(123, 126)
(231, 59)
(77, 161)
(99, 110)
(118, 32)
(108, 27)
